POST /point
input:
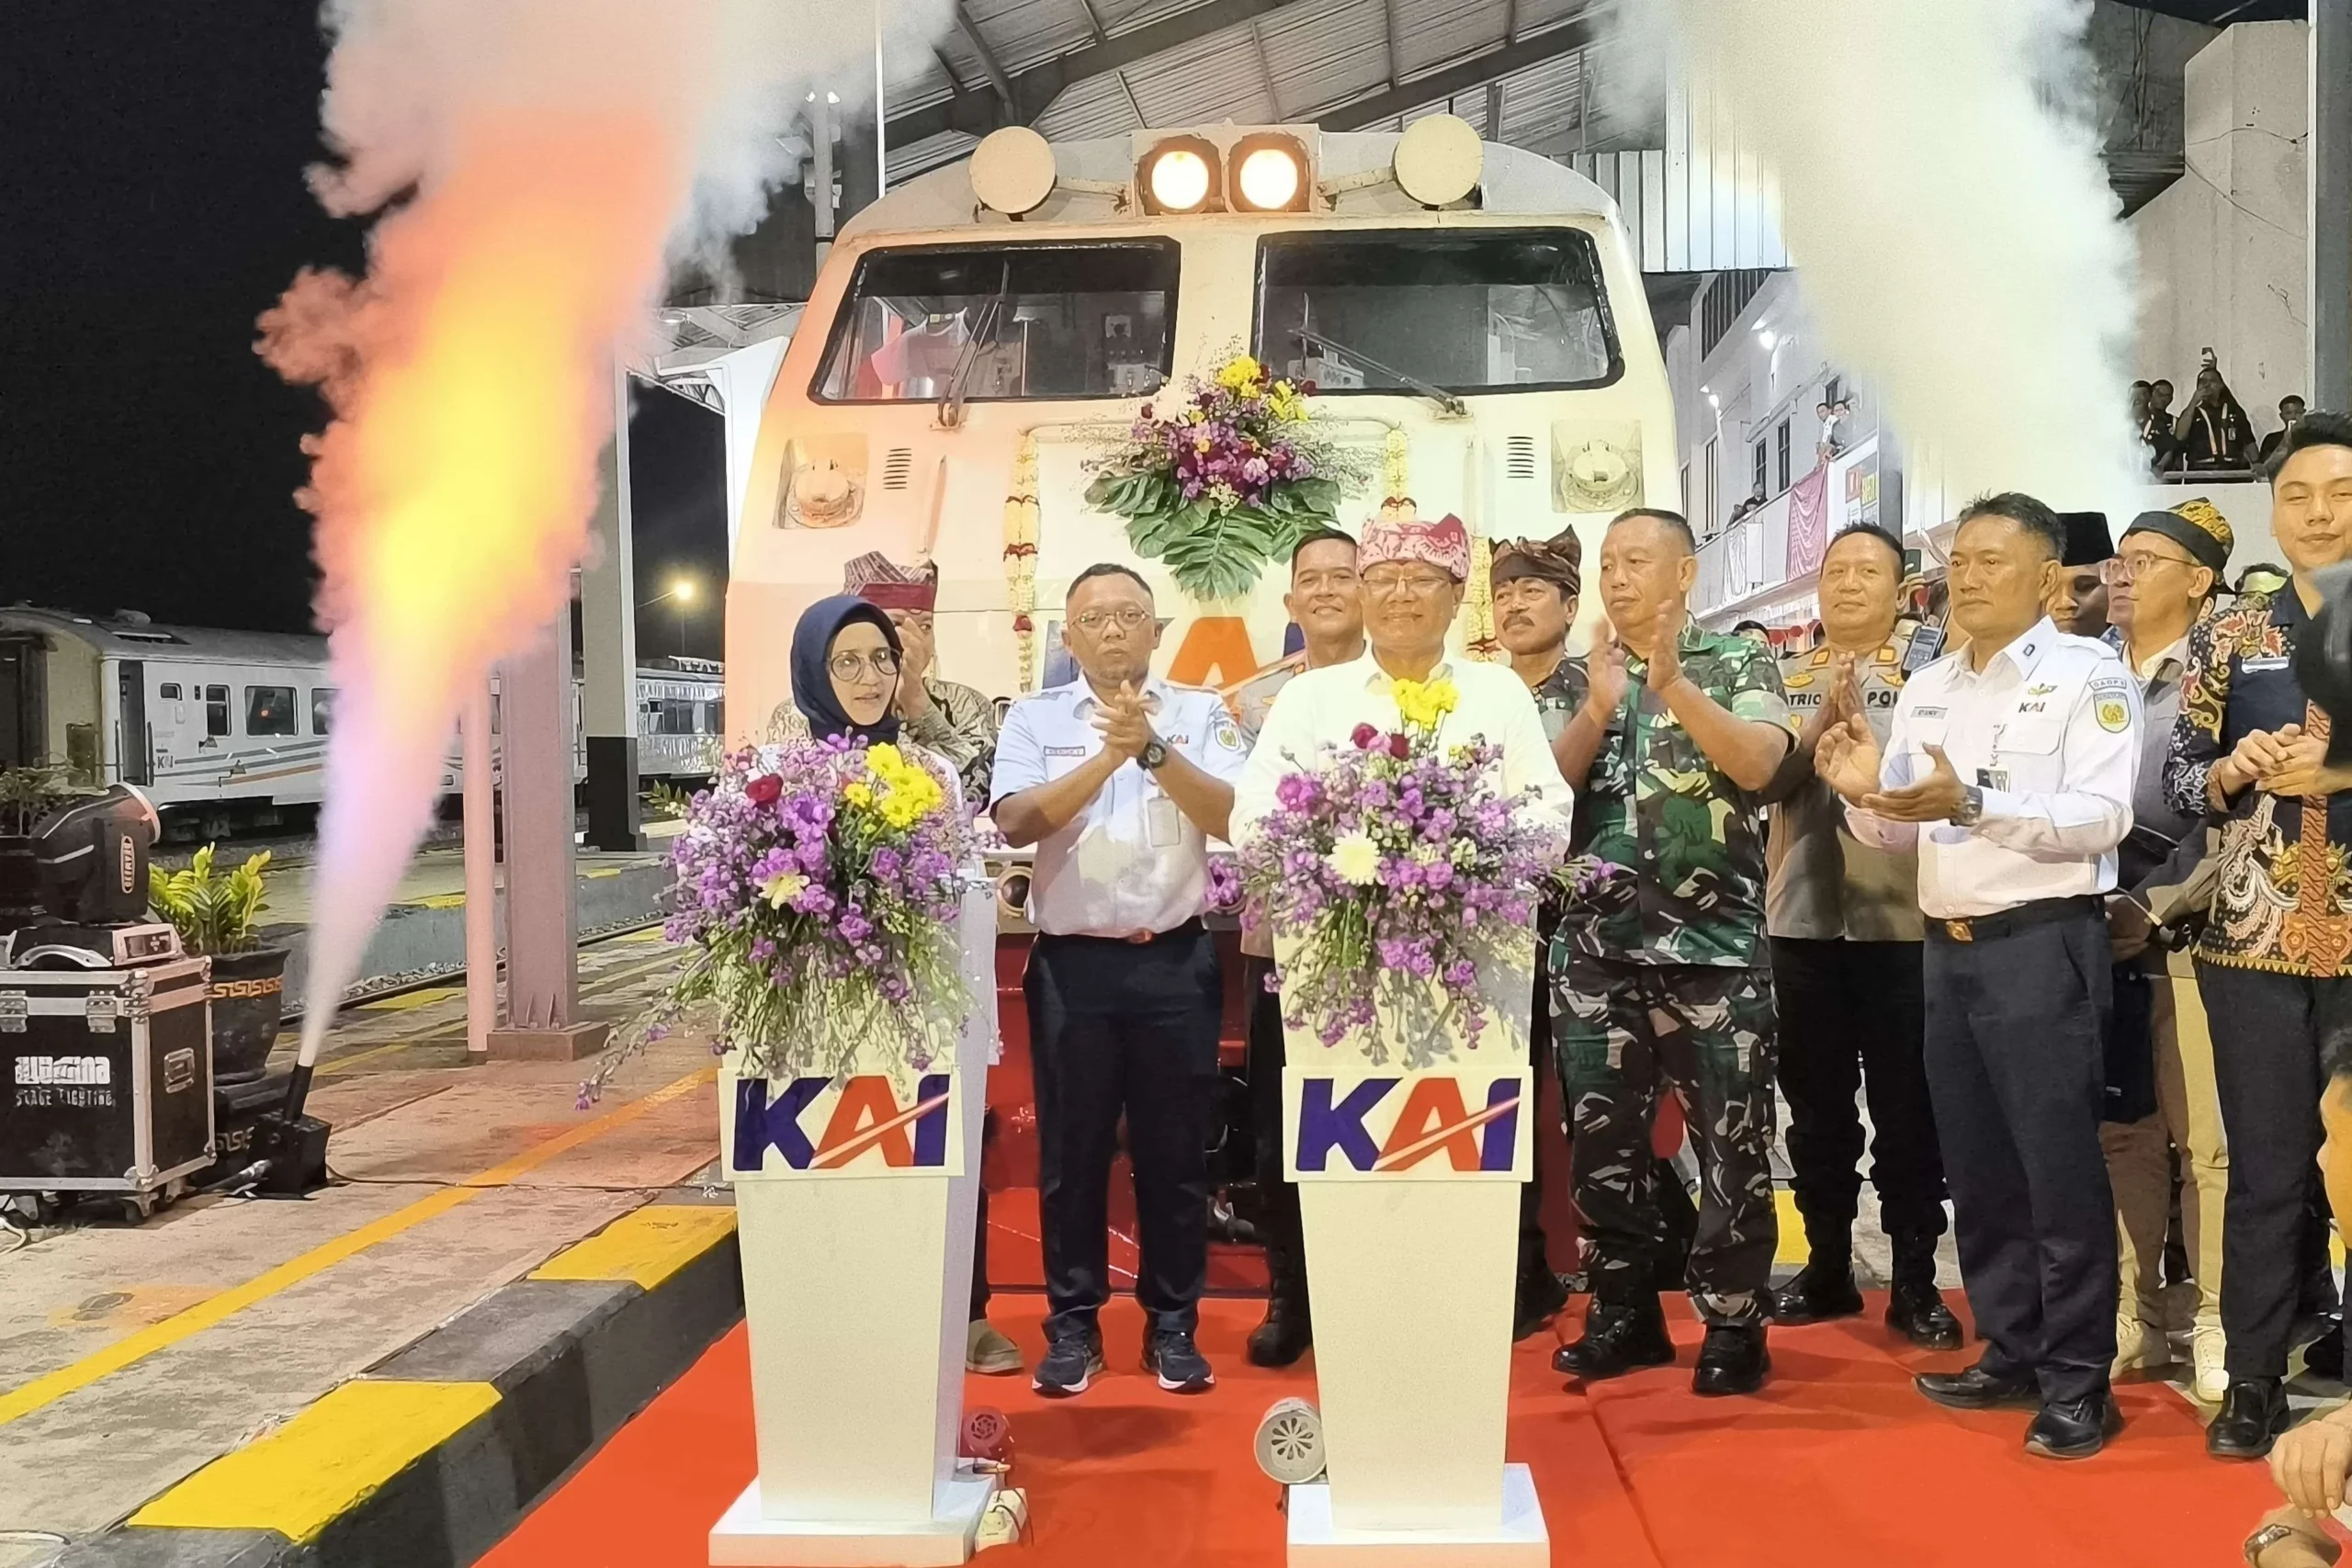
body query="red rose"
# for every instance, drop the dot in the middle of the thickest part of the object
(1399, 747)
(1363, 735)
(764, 789)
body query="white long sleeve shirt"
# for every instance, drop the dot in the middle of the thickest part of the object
(2050, 730)
(1320, 708)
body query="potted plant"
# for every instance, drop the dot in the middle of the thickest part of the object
(216, 916)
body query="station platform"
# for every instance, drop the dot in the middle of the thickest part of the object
(131, 1357)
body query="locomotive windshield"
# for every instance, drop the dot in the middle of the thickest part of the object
(1007, 322)
(1407, 310)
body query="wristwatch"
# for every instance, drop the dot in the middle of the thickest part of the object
(1153, 756)
(2271, 1534)
(1972, 806)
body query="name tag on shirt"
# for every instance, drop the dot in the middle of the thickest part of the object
(2277, 661)
(1992, 778)
(1162, 821)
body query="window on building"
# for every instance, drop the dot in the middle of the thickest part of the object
(269, 710)
(1711, 477)
(1782, 438)
(216, 710)
(713, 717)
(1763, 469)
(322, 710)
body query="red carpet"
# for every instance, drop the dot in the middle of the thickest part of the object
(1838, 1465)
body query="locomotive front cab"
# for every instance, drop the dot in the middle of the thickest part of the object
(1468, 313)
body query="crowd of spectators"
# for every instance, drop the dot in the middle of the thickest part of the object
(2212, 434)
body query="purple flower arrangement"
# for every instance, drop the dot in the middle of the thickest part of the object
(1400, 869)
(818, 883)
(1224, 893)
(1226, 478)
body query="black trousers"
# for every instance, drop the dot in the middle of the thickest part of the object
(1117, 1027)
(2267, 1031)
(1853, 1021)
(980, 1235)
(1278, 1199)
(2017, 1029)
(1534, 1260)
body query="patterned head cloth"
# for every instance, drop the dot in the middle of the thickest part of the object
(875, 578)
(2196, 526)
(1399, 533)
(1559, 558)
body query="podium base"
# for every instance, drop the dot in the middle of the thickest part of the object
(744, 1539)
(1518, 1540)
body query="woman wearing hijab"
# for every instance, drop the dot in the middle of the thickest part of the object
(845, 661)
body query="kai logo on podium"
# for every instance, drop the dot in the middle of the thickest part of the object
(1385, 1125)
(866, 1125)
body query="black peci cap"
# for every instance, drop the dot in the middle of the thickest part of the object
(2087, 542)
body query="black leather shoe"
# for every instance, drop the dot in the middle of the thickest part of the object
(1977, 1389)
(1732, 1361)
(1823, 1289)
(1284, 1335)
(2324, 1357)
(1618, 1337)
(1540, 1297)
(2074, 1429)
(1917, 1313)
(2254, 1412)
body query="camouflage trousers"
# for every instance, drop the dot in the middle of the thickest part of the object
(1623, 1032)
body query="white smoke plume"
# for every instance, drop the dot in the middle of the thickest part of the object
(536, 165)
(1943, 200)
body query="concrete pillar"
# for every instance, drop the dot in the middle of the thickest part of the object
(542, 954)
(608, 635)
(482, 872)
(2331, 205)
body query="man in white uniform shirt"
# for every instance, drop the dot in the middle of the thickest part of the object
(1120, 779)
(2009, 767)
(1412, 575)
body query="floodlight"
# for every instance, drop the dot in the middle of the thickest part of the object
(1179, 176)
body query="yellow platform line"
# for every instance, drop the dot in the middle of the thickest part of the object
(407, 1001)
(1792, 1250)
(645, 1247)
(308, 1473)
(51, 1387)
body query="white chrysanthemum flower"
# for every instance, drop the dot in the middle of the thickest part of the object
(1356, 858)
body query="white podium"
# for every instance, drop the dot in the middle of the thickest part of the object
(856, 1203)
(1409, 1195)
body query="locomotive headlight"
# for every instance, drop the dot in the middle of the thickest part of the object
(1179, 176)
(1269, 174)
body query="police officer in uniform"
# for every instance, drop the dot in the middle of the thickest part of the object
(1120, 779)
(1844, 921)
(2009, 766)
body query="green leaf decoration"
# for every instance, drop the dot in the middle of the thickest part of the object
(212, 914)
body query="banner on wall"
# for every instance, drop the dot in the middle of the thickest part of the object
(1808, 521)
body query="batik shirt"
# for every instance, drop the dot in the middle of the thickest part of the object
(959, 726)
(2282, 900)
(1559, 695)
(1694, 840)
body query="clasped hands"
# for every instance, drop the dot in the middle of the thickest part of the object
(1847, 758)
(1126, 727)
(2283, 761)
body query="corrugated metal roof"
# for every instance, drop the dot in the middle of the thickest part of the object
(1097, 107)
(1210, 79)
(922, 157)
(1023, 32)
(1430, 33)
(1327, 54)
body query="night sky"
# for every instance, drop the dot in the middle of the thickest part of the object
(152, 206)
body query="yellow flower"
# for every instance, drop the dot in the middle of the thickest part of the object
(783, 888)
(857, 794)
(1422, 704)
(907, 790)
(1286, 404)
(1356, 858)
(1238, 373)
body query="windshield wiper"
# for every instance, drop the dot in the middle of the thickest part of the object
(983, 338)
(1411, 383)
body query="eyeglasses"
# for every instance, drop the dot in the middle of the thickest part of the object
(1127, 619)
(849, 666)
(1419, 585)
(2131, 567)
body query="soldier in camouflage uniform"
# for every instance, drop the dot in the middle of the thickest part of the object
(1680, 728)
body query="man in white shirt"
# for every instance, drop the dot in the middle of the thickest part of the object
(1120, 779)
(2010, 768)
(1412, 575)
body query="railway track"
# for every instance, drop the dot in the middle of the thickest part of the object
(377, 987)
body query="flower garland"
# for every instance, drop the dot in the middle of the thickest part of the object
(1226, 479)
(1020, 555)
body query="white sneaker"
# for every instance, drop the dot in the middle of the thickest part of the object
(2138, 1344)
(2207, 1347)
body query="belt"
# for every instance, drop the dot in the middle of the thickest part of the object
(1132, 938)
(2007, 922)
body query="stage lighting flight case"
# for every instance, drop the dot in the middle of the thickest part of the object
(107, 1075)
